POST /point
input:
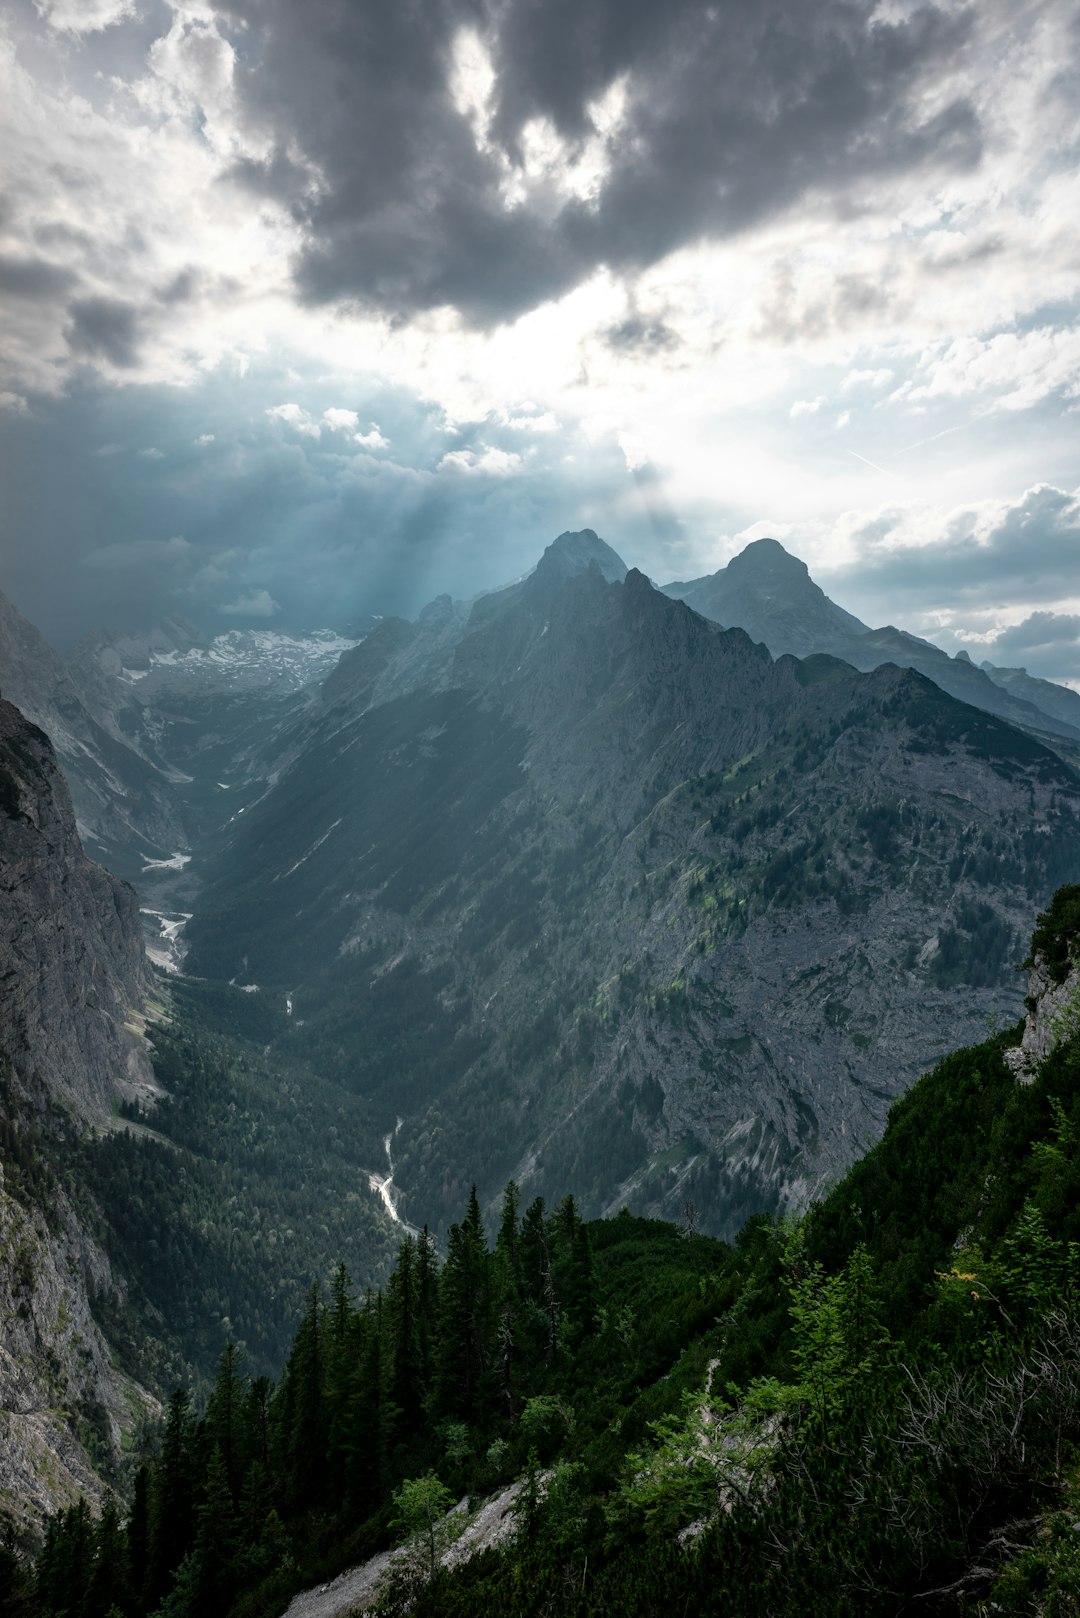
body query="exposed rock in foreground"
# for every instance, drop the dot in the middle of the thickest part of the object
(72, 977)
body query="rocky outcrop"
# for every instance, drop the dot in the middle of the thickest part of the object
(64, 1406)
(72, 966)
(1053, 1014)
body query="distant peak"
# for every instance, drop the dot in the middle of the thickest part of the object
(574, 553)
(767, 556)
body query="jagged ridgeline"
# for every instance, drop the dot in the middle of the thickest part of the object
(593, 893)
(870, 1411)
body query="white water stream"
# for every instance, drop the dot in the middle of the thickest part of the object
(384, 1184)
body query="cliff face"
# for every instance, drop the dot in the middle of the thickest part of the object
(63, 1404)
(72, 966)
(125, 794)
(1053, 1014)
(72, 975)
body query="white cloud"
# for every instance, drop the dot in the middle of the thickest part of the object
(297, 418)
(151, 454)
(495, 462)
(542, 421)
(348, 421)
(14, 402)
(843, 418)
(1008, 371)
(84, 16)
(256, 604)
(867, 379)
(807, 407)
(202, 440)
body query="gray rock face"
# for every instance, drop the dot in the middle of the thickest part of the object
(124, 793)
(57, 1378)
(72, 968)
(1053, 1014)
(72, 981)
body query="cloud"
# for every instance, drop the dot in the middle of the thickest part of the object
(32, 277)
(203, 440)
(84, 16)
(296, 418)
(349, 421)
(562, 139)
(491, 460)
(867, 379)
(104, 328)
(1010, 370)
(172, 553)
(346, 419)
(952, 570)
(807, 407)
(152, 453)
(256, 604)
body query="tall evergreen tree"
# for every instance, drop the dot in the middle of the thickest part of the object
(171, 1500)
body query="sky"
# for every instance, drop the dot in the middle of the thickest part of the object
(317, 308)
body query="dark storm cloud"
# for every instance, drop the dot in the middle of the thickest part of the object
(32, 277)
(104, 328)
(735, 110)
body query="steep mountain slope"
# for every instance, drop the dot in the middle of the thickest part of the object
(125, 793)
(589, 891)
(73, 979)
(72, 961)
(770, 594)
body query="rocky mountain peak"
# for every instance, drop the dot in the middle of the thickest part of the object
(574, 553)
(767, 559)
(769, 593)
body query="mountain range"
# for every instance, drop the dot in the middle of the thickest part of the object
(590, 891)
(771, 595)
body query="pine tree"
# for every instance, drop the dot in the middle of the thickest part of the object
(224, 1415)
(465, 1323)
(109, 1585)
(171, 1500)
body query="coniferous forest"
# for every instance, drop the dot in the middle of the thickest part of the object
(871, 1410)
